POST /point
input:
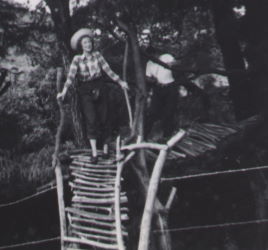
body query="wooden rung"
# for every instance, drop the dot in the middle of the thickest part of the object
(91, 221)
(90, 215)
(108, 209)
(106, 175)
(91, 243)
(93, 189)
(99, 185)
(90, 170)
(90, 194)
(97, 237)
(90, 165)
(82, 151)
(123, 199)
(93, 179)
(88, 157)
(96, 216)
(72, 248)
(96, 230)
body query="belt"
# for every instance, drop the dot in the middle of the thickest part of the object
(80, 83)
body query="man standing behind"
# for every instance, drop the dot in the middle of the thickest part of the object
(164, 98)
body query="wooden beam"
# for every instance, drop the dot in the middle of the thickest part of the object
(91, 243)
(57, 166)
(152, 192)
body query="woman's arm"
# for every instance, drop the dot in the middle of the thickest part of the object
(70, 78)
(106, 68)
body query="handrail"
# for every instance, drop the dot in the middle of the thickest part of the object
(120, 166)
(152, 191)
(57, 165)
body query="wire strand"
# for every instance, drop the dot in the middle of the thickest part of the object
(30, 243)
(231, 171)
(27, 198)
(227, 224)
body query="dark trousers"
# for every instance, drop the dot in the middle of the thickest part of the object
(93, 98)
(163, 108)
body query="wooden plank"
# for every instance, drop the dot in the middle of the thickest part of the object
(75, 248)
(76, 198)
(93, 189)
(107, 209)
(106, 175)
(90, 194)
(91, 170)
(90, 215)
(94, 222)
(99, 185)
(88, 163)
(96, 230)
(91, 243)
(100, 164)
(96, 216)
(93, 236)
(92, 179)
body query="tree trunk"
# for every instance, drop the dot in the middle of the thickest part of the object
(227, 37)
(140, 100)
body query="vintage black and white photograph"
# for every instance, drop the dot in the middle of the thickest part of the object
(134, 124)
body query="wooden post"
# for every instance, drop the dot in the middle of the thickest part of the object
(170, 199)
(125, 61)
(149, 204)
(118, 225)
(60, 193)
(57, 165)
(152, 192)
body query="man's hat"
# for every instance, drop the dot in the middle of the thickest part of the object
(78, 35)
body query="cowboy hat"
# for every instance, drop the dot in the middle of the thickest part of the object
(78, 35)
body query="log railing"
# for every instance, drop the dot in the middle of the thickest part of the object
(153, 184)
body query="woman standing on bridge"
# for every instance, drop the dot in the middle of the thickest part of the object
(87, 69)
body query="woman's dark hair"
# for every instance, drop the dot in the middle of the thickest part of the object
(79, 45)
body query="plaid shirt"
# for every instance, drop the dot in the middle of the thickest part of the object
(86, 68)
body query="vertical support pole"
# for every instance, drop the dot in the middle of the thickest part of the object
(125, 62)
(149, 204)
(57, 165)
(146, 222)
(61, 205)
(118, 225)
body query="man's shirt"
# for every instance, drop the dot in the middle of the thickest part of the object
(161, 74)
(85, 68)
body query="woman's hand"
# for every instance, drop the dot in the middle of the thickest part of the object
(124, 85)
(60, 96)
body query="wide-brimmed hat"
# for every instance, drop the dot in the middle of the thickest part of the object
(77, 36)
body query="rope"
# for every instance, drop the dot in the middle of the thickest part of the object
(231, 171)
(228, 224)
(26, 198)
(30, 243)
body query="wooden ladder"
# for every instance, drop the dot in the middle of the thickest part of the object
(98, 206)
